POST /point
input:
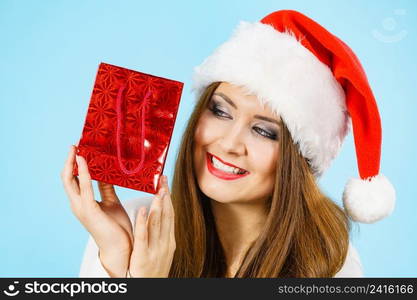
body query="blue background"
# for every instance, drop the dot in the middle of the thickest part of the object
(49, 54)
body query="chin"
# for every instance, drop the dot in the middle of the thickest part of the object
(222, 198)
(215, 191)
(222, 194)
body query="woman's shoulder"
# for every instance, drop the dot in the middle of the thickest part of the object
(352, 266)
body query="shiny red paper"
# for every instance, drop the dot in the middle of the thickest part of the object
(128, 127)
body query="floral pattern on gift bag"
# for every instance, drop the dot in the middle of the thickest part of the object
(128, 127)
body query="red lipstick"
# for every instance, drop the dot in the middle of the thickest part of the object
(221, 174)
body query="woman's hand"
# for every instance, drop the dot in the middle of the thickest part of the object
(154, 238)
(107, 221)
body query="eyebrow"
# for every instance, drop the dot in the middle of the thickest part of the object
(228, 100)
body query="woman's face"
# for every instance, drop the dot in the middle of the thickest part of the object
(242, 135)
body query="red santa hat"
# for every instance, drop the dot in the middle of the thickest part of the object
(318, 87)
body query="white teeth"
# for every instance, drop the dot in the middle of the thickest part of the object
(219, 165)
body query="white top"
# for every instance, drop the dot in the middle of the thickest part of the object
(91, 265)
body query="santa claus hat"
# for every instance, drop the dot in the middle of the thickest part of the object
(316, 84)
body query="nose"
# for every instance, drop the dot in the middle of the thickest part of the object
(232, 140)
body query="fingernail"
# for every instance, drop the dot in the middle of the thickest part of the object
(143, 211)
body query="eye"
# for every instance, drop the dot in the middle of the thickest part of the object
(214, 108)
(265, 133)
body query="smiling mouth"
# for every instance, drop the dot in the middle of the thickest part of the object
(225, 167)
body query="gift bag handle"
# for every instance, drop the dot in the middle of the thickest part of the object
(142, 129)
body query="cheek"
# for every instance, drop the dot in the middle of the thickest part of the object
(203, 136)
(264, 159)
(206, 131)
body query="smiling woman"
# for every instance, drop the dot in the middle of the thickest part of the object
(270, 221)
(274, 104)
(252, 225)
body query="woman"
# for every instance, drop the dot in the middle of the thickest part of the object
(244, 200)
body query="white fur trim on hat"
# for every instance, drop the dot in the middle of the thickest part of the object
(370, 200)
(285, 75)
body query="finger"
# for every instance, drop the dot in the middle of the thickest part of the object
(164, 209)
(141, 231)
(154, 222)
(167, 205)
(172, 232)
(167, 218)
(107, 192)
(171, 207)
(172, 228)
(160, 186)
(68, 179)
(166, 187)
(86, 188)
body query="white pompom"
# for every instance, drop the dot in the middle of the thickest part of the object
(368, 201)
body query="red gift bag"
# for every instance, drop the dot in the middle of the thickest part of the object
(128, 127)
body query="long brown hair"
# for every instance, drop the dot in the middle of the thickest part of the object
(305, 234)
